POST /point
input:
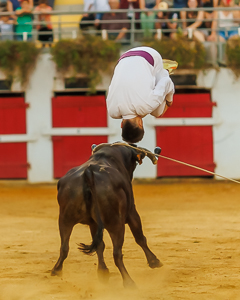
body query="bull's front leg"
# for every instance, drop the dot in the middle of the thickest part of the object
(65, 229)
(103, 272)
(135, 225)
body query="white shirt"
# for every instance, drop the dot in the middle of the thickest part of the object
(137, 88)
(102, 5)
(88, 5)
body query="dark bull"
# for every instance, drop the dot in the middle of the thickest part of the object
(99, 194)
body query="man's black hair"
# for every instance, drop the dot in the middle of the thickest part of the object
(131, 132)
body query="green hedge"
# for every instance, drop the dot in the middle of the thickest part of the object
(18, 59)
(89, 55)
(92, 56)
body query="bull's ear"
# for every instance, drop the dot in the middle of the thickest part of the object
(140, 157)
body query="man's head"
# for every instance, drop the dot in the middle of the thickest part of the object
(132, 130)
(24, 4)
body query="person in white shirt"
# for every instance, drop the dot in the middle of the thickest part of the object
(139, 86)
(101, 5)
(93, 5)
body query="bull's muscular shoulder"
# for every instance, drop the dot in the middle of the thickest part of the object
(115, 157)
(114, 153)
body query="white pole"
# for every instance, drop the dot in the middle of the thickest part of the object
(25, 35)
(104, 34)
(74, 34)
(159, 34)
(190, 33)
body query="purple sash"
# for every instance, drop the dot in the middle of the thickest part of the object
(141, 53)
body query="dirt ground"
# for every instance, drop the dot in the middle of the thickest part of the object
(192, 226)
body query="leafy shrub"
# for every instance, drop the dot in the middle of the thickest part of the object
(18, 59)
(188, 53)
(89, 55)
(233, 56)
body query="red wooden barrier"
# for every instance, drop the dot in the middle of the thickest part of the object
(13, 156)
(76, 111)
(191, 144)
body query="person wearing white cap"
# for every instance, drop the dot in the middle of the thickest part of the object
(140, 86)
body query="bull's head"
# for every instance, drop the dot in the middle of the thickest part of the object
(141, 152)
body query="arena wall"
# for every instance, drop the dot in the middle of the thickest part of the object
(45, 82)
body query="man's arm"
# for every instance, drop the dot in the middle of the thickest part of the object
(164, 91)
(121, 34)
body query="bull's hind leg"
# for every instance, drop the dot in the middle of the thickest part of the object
(135, 225)
(103, 272)
(117, 236)
(65, 231)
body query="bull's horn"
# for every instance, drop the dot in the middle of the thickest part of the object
(149, 154)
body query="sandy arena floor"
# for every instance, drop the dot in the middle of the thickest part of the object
(192, 226)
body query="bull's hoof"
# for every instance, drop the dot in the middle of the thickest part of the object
(129, 284)
(155, 263)
(103, 275)
(56, 272)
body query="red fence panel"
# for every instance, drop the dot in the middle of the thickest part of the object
(13, 156)
(76, 111)
(190, 144)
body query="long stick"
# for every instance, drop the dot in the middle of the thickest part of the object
(177, 161)
(195, 167)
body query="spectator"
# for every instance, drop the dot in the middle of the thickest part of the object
(208, 15)
(88, 15)
(193, 25)
(170, 23)
(100, 5)
(148, 17)
(226, 23)
(179, 4)
(132, 4)
(6, 27)
(24, 21)
(120, 27)
(93, 5)
(45, 19)
(12, 5)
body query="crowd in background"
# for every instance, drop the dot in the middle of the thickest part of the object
(200, 24)
(19, 24)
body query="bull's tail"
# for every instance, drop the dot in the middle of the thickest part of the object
(90, 197)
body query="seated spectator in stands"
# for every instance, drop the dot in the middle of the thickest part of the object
(12, 5)
(88, 15)
(170, 23)
(93, 5)
(24, 21)
(45, 18)
(100, 5)
(226, 22)
(6, 27)
(133, 4)
(148, 17)
(208, 15)
(179, 4)
(121, 28)
(193, 25)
